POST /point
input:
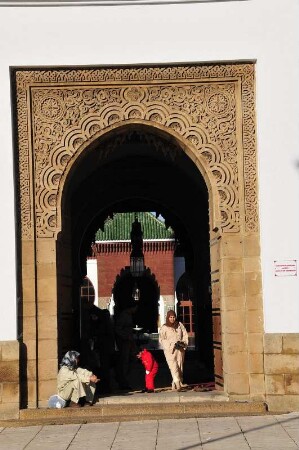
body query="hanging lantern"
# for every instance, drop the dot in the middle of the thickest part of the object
(136, 257)
(137, 266)
(136, 293)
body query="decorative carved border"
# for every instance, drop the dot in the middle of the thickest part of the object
(59, 111)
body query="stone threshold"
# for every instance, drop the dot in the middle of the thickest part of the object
(165, 396)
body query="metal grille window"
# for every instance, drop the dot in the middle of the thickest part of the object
(87, 292)
(186, 315)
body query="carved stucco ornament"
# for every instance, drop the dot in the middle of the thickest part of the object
(210, 107)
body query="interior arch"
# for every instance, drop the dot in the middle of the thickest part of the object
(135, 170)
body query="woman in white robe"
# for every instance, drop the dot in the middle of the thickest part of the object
(172, 333)
(75, 384)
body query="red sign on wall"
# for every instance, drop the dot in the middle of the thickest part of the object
(285, 268)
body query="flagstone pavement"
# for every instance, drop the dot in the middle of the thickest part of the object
(275, 432)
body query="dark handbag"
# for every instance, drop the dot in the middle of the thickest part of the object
(179, 345)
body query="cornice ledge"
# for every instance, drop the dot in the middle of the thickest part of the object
(63, 3)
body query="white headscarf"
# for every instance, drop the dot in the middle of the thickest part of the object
(70, 360)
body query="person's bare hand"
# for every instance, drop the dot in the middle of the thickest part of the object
(94, 378)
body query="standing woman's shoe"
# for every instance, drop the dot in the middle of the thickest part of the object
(178, 386)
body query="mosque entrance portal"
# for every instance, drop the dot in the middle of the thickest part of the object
(176, 140)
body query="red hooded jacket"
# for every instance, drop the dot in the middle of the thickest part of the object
(148, 360)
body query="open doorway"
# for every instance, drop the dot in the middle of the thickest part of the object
(135, 176)
(146, 292)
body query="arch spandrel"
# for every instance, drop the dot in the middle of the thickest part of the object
(198, 105)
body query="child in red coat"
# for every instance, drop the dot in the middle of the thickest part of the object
(151, 369)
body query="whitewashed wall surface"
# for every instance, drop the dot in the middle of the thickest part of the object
(92, 33)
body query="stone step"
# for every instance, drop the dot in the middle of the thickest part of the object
(150, 409)
(133, 406)
(111, 412)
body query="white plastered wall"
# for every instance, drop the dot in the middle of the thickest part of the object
(92, 273)
(262, 30)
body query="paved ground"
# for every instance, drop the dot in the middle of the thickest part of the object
(273, 432)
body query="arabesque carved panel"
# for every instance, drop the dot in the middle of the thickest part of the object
(210, 107)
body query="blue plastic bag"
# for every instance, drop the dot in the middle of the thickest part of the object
(56, 402)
